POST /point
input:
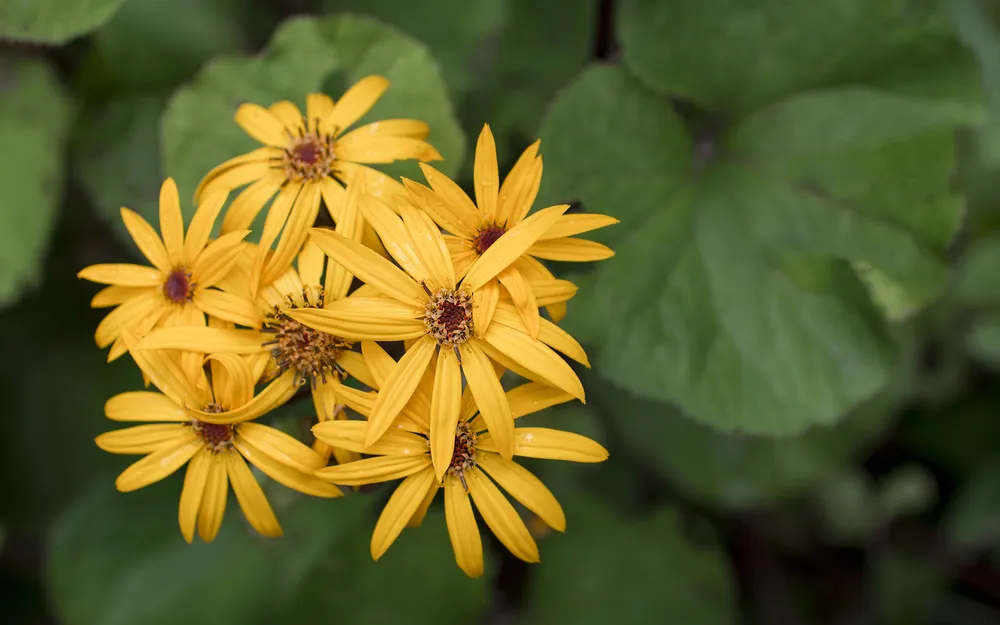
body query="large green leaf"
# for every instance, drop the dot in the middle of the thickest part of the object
(608, 568)
(734, 57)
(198, 128)
(119, 558)
(53, 21)
(733, 292)
(34, 118)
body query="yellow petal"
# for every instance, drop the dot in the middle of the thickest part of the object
(356, 366)
(525, 488)
(282, 447)
(577, 223)
(369, 267)
(251, 498)
(523, 297)
(427, 239)
(485, 301)
(571, 250)
(502, 360)
(452, 196)
(550, 444)
(159, 464)
(525, 399)
(146, 239)
(277, 215)
(418, 517)
(296, 231)
(216, 260)
(232, 380)
(355, 102)
(549, 333)
(400, 509)
(144, 406)
(239, 171)
(452, 217)
(364, 318)
(501, 517)
(204, 340)
(172, 222)
(213, 501)
(222, 305)
(410, 128)
(318, 107)
(143, 439)
(289, 115)
(514, 188)
(486, 175)
(261, 124)
(281, 472)
(399, 387)
(164, 371)
(350, 225)
(201, 226)
(376, 470)
(351, 435)
(193, 492)
(394, 236)
(510, 245)
(249, 202)
(385, 149)
(122, 274)
(274, 394)
(377, 183)
(149, 306)
(557, 312)
(528, 192)
(462, 528)
(536, 357)
(549, 292)
(114, 295)
(446, 403)
(310, 263)
(489, 396)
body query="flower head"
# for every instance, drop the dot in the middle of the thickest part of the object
(175, 290)
(208, 425)
(455, 327)
(475, 227)
(407, 453)
(307, 158)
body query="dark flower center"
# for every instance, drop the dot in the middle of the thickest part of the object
(464, 456)
(312, 354)
(487, 236)
(448, 317)
(309, 157)
(177, 287)
(217, 437)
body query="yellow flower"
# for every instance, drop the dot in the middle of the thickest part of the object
(475, 459)
(497, 211)
(307, 158)
(175, 290)
(209, 427)
(463, 323)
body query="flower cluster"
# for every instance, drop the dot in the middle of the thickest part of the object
(407, 312)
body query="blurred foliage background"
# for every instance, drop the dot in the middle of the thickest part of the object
(795, 352)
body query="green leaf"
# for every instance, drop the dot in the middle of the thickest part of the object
(153, 44)
(117, 159)
(427, 585)
(607, 568)
(34, 118)
(118, 558)
(733, 57)
(452, 30)
(198, 128)
(733, 266)
(970, 521)
(907, 490)
(53, 21)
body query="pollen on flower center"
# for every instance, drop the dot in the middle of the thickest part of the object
(448, 317)
(463, 457)
(312, 354)
(309, 157)
(486, 236)
(178, 287)
(217, 437)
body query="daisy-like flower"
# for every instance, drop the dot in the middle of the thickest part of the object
(176, 290)
(422, 303)
(278, 344)
(209, 426)
(477, 226)
(307, 158)
(469, 469)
